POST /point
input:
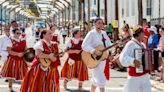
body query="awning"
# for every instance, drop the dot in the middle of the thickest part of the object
(54, 6)
(1, 1)
(24, 12)
(11, 7)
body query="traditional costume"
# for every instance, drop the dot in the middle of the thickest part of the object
(40, 79)
(137, 81)
(101, 72)
(15, 67)
(74, 66)
(55, 38)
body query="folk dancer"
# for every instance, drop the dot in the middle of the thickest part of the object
(41, 78)
(94, 38)
(74, 68)
(15, 67)
(137, 81)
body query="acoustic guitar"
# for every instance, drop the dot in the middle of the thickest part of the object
(45, 62)
(92, 60)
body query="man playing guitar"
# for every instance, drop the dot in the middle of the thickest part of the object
(94, 38)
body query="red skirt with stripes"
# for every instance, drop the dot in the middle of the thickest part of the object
(15, 68)
(39, 80)
(78, 70)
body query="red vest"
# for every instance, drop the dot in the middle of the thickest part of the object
(132, 72)
(75, 56)
(55, 38)
(48, 50)
(18, 46)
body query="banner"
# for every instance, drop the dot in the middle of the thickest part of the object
(115, 23)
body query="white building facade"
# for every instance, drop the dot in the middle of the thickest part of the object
(153, 11)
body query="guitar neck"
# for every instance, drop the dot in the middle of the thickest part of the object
(109, 47)
(129, 37)
(57, 54)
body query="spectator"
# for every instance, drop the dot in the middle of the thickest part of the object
(146, 31)
(126, 31)
(152, 43)
(115, 61)
(161, 49)
(110, 30)
(153, 39)
(145, 27)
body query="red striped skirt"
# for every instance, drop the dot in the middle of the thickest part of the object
(15, 68)
(78, 70)
(38, 80)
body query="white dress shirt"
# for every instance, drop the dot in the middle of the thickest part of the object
(93, 39)
(127, 54)
(5, 42)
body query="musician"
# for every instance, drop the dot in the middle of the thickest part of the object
(137, 82)
(14, 67)
(4, 40)
(94, 38)
(74, 68)
(41, 78)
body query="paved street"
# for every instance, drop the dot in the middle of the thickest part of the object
(115, 84)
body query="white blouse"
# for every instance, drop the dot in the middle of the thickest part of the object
(69, 44)
(39, 45)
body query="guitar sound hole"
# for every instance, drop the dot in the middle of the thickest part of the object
(98, 57)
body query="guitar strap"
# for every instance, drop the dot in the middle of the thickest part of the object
(103, 40)
(138, 44)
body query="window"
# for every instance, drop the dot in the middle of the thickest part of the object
(102, 12)
(127, 8)
(148, 9)
(95, 2)
(133, 7)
